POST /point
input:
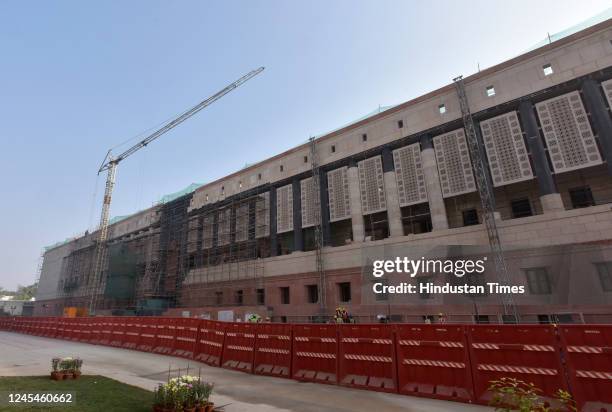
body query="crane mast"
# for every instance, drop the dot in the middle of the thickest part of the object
(487, 200)
(110, 163)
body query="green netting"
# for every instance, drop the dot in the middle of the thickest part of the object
(122, 272)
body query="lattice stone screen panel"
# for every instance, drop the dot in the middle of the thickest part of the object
(372, 185)
(310, 202)
(338, 192)
(607, 88)
(454, 166)
(242, 222)
(284, 209)
(409, 175)
(568, 134)
(208, 231)
(506, 150)
(224, 226)
(262, 215)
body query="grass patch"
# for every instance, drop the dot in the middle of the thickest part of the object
(93, 394)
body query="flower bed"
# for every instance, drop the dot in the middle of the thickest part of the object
(66, 368)
(185, 393)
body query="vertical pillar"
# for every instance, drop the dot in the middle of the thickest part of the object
(298, 236)
(394, 213)
(273, 238)
(437, 208)
(355, 199)
(324, 199)
(602, 123)
(215, 240)
(549, 195)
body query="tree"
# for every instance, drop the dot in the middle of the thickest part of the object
(26, 292)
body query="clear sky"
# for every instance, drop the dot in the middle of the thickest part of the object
(77, 78)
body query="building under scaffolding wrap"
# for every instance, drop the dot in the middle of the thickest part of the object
(399, 182)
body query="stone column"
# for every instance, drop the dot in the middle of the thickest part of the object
(602, 123)
(273, 238)
(550, 198)
(298, 237)
(437, 208)
(394, 213)
(355, 198)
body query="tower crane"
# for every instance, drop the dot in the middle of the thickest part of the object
(110, 163)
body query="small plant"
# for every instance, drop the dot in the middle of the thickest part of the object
(55, 364)
(511, 394)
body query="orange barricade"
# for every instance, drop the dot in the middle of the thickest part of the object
(83, 329)
(273, 350)
(239, 346)
(164, 336)
(528, 353)
(106, 331)
(185, 339)
(131, 335)
(367, 357)
(315, 353)
(433, 361)
(147, 331)
(209, 345)
(70, 332)
(118, 325)
(95, 335)
(588, 358)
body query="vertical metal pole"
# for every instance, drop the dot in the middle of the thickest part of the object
(487, 200)
(95, 282)
(318, 229)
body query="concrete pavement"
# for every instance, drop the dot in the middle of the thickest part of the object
(22, 355)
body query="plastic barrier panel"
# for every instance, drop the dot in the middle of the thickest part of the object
(131, 336)
(118, 328)
(186, 335)
(96, 329)
(147, 332)
(71, 329)
(315, 353)
(588, 355)
(273, 350)
(239, 346)
(367, 357)
(528, 353)
(106, 331)
(433, 361)
(209, 345)
(164, 337)
(83, 326)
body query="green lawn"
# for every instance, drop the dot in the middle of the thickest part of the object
(93, 393)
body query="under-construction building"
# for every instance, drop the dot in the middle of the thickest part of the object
(297, 234)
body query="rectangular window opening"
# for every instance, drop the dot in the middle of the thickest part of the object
(581, 197)
(547, 69)
(344, 292)
(521, 208)
(538, 281)
(285, 298)
(442, 109)
(261, 296)
(364, 137)
(333, 149)
(312, 292)
(470, 217)
(490, 91)
(400, 124)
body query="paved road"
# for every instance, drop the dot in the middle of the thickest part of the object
(22, 355)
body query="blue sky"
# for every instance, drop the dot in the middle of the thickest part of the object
(80, 77)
